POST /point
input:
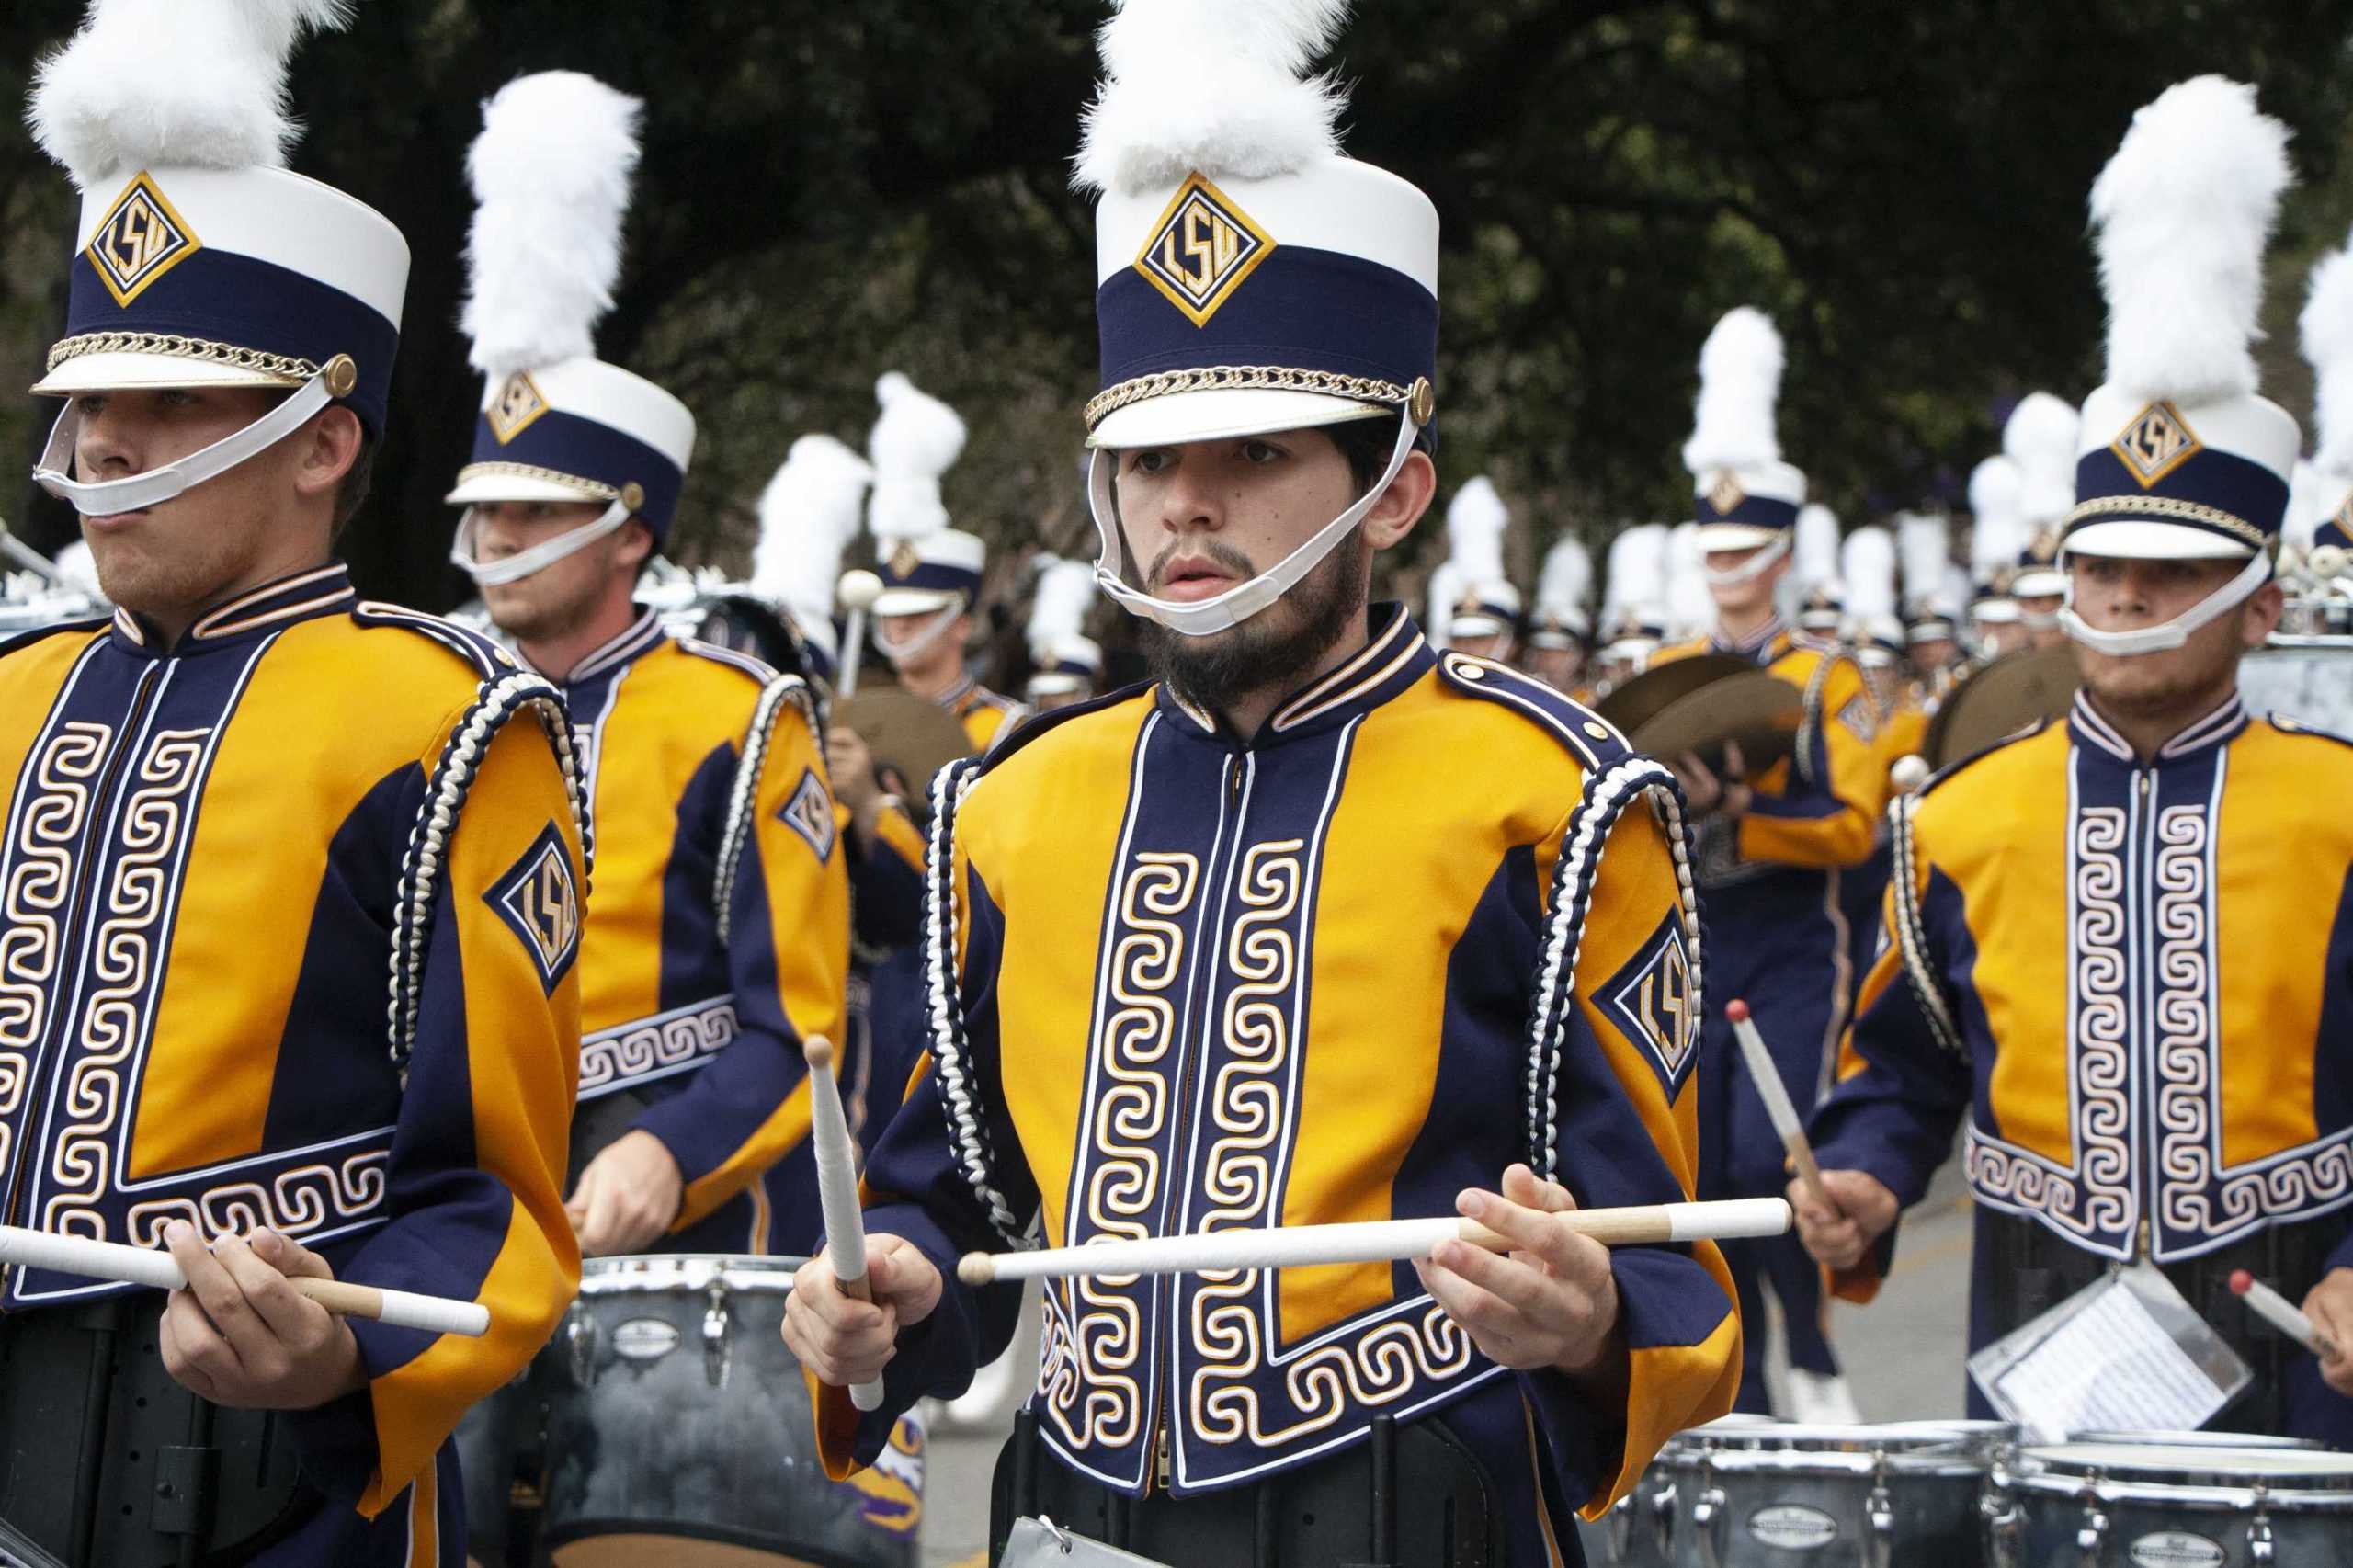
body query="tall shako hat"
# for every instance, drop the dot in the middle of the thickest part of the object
(2040, 438)
(1469, 595)
(550, 174)
(201, 261)
(1814, 563)
(2178, 458)
(1996, 535)
(1867, 565)
(925, 565)
(1562, 619)
(2326, 330)
(809, 514)
(1066, 660)
(1745, 496)
(1250, 278)
(1923, 550)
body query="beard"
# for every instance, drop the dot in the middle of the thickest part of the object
(1272, 649)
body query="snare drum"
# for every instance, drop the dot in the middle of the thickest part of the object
(2146, 1506)
(679, 1430)
(1832, 1497)
(1638, 1531)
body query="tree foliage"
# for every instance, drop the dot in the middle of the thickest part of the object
(829, 191)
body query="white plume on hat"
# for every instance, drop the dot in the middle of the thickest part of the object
(2326, 330)
(1866, 561)
(2313, 495)
(916, 441)
(1058, 606)
(1213, 85)
(2039, 438)
(1691, 607)
(1637, 579)
(1566, 579)
(1740, 383)
(2184, 211)
(1475, 521)
(173, 83)
(1923, 546)
(809, 514)
(1815, 553)
(550, 174)
(1999, 530)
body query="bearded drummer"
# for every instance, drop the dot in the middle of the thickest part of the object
(1284, 935)
(2118, 944)
(266, 802)
(717, 930)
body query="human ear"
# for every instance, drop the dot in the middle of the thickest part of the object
(328, 447)
(1402, 504)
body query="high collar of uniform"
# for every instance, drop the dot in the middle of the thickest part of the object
(1763, 645)
(641, 636)
(318, 590)
(2218, 727)
(1393, 658)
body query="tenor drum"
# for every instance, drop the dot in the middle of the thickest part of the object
(1638, 1531)
(1829, 1496)
(2151, 1506)
(679, 1431)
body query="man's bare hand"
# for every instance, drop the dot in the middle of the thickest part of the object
(2330, 1306)
(1551, 1301)
(1862, 1210)
(241, 1335)
(627, 1197)
(844, 1340)
(849, 769)
(1708, 794)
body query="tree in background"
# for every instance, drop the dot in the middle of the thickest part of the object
(830, 191)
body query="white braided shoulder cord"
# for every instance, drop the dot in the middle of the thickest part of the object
(453, 778)
(1606, 796)
(968, 1140)
(743, 799)
(1810, 715)
(1912, 931)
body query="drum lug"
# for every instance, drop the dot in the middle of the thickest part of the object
(1662, 1521)
(2091, 1536)
(1879, 1513)
(714, 1336)
(1620, 1532)
(2005, 1524)
(580, 1345)
(1708, 1525)
(2260, 1547)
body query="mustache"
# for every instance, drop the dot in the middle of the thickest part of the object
(1219, 554)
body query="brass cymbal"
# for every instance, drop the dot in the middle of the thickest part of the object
(2012, 693)
(1696, 705)
(912, 734)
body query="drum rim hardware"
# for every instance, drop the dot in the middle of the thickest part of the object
(687, 1271)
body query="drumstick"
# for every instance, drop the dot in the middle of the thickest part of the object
(1377, 1241)
(1778, 1104)
(837, 1192)
(857, 592)
(2270, 1305)
(160, 1270)
(29, 558)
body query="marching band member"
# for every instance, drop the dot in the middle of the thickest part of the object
(1997, 538)
(2039, 438)
(1561, 634)
(2118, 944)
(1931, 645)
(1067, 664)
(1474, 609)
(1255, 944)
(931, 573)
(1823, 610)
(260, 800)
(1772, 847)
(2327, 329)
(717, 930)
(809, 513)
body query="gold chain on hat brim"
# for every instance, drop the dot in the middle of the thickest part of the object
(2166, 509)
(292, 370)
(588, 487)
(1257, 378)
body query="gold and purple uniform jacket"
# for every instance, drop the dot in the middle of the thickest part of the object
(289, 917)
(1430, 921)
(983, 713)
(2135, 982)
(717, 929)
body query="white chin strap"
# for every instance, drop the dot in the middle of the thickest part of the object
(1754, 567)
(135, 492)
(2037, 619)
(1205, 618)
(898, 652)
(523, 563)
(2172, 633)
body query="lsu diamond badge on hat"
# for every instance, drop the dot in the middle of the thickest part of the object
(517, 404)
(2157, 441)
(138, 240)
(1202, 249)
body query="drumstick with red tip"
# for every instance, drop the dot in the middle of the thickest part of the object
(1778, 1104)
(2276, 1310)
(837, 1192)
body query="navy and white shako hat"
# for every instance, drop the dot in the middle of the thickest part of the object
(200, 260)
(2325, 327)
(1744, 494)
(550, 174)
(1250, 278)
(925, 565)
(2177, 457)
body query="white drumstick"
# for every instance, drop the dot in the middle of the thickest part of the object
(158, 1269)
(858, 591)
(1378, 1241)
(29, 558)
(837, 1192)
(2282, 1315)
(1778, 1106)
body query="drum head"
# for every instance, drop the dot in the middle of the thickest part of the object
(1914, 1446)
(686, 1271)
(1697, 704)
(2013, 692)
(2201, 1441)
(911, 733)
(2278, 1470)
